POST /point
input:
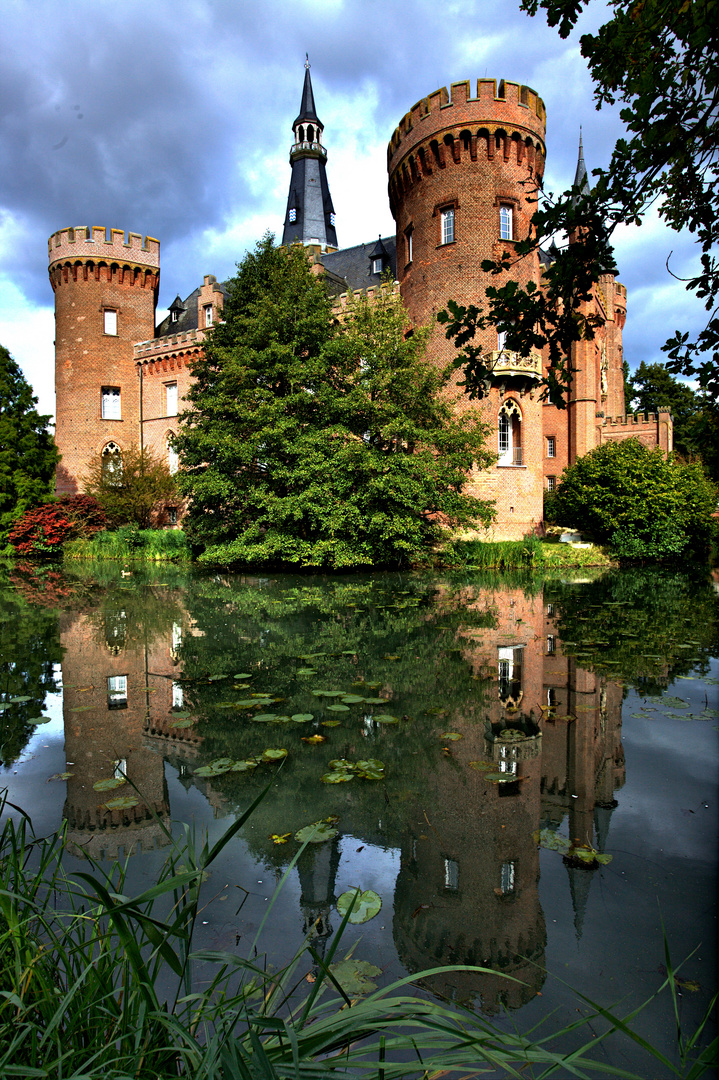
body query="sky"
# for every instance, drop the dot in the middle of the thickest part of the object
(174, 119)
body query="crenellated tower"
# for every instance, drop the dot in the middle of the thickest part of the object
(105, 299)
(310, 215)
(463, 177)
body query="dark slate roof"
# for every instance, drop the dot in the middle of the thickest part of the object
(187, 319)
(307, 106)
(353, 265)
(581, 180)
(309, 196)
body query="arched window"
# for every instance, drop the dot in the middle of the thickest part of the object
(173, 458)
(112, 464)
(510, 434)
(310, 133)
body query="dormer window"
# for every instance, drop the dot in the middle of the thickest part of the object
(376, 266)
(174, 315)
(293, 216)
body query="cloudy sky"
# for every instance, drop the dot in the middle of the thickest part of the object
(174, 119)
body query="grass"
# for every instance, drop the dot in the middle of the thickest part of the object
(131, 543)
(499, 555)
(95, 983)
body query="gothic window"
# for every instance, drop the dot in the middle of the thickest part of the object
(510, 434)
(110, 317)
(171, 399)
(447, 220)
(173, 458)
(110, 400)
(112, 463)
(506, 215)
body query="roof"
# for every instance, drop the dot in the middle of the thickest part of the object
(354, 265)
(187, 319)
(307, 105)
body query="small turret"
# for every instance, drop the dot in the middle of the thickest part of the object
(310, 215)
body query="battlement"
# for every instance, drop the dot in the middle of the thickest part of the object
(509, 104)
(637, 419)
(84, 243)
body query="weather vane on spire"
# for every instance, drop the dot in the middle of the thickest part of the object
(307, 61)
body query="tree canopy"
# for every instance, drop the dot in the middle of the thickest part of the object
(658, 59)
(27, 451)
(130, 485)
(320, 441)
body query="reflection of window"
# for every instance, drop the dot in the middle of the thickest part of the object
(177, 696)
(551, 697)
(451, 874)
(507, 759)
(172, 515)
(117, 692)
(119, 771)
(110, 397)
(115, 630)
(509, 666)
(176, 636)
(550, 609)
(506, 880)
(447, 219)
(551, 643)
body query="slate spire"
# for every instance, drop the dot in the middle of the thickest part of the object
(310, 215)
(581, 180)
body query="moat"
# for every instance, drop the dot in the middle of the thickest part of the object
(502, 711)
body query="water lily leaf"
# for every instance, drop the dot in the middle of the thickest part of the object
(182, 723)
(60, 776)
(338, 708)
(385, 718)
(39, 720)
(355, 976)
(341, 763)
(250, 703)
(451, 736)
(124, 802)
(272, 754)
(349, 652)
(365, 905)
(311, 656)
(482, 766)
(216, 678)
(352, 699)
(243, 766)
(110, 783)
(337, 777)
(675, 702)
(375, 701)
(280, 838)
(314, 740)
(328, 693)
(371, 774)
(316, 833)
(20, 699)
(306, 671)
(213, 769)
(391, 656)
(264, 718)
(500, 777)
(302, 717)
(370, 763)
(243, 675)
(331, 723)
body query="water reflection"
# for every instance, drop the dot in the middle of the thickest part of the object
(506, 724)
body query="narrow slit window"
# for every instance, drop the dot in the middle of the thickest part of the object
(448, 226)
(110, 321)
(505, 223)
(171, 399)
(409, 234)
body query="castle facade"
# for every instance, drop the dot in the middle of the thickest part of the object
(461, 170)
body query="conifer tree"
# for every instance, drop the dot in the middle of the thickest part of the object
(320, 441)
(27, 450)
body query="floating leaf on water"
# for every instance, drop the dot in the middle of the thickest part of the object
(341, 763)
(216, 678)
(180, 714)
(242, 675)
(306, 671)
(110, 783)
(250, 703)
(376, 701)
(19, 700)
(302, 717)
(311, 656)
(280, 838)
(243, 766)
(391, 656)
(481, 766)
(500, 777)
(385, 718)
(337, 777)
(316, 833)
(273, 754)
(182, 723)
(39, 720)
(124, 802)
(264, 718)
(451, 736)
(212, 770)
(331, 723)
(675, 702)
(355, 976)
(338, 708)
(352, 699)
(314, 740)
(365, 905)
(60, 776)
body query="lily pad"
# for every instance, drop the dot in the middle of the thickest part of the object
(365, 905)
(338, 708)
(60, 776)
(124, 802)
(243, 766)
(306, 671)
(39, 720)
(264, 718)
(511, 735)
(243, 675)
(109, 784)
(385, 718)
(272, 754)
(338, 776)
(352, 699)
(328, 693)
(182, 723)
(675, 702)
(19, 700)
(375, 701)
(331, 723)
(316, 833)
(315, 740)
(355, 976)
(451, 736)
(302, 717)
(181, 714)
(481, 766)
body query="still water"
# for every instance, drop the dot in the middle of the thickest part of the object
(585, 709)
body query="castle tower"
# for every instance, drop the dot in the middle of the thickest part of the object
(105, 299)
(310, 215)
(463, 173)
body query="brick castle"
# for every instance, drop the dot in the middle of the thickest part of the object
(459, 169)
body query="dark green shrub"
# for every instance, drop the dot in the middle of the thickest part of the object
(644, 505)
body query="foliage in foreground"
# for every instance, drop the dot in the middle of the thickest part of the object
(130, 488)
(129, 542)
(46, 529)
(82, 965)
(643, 505)
(527, 553)
(317, 442)
(27, 451)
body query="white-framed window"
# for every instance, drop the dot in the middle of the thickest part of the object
(451, 874)
(208, 314)
(293, 216)
(119, 769)
(551, 446)
(551, 483)
(176, 636)
(506, 223)
(410, 244)
(447, 218)
(110, 403)
(505, 435)
(550, 609)
(110, 319)
(171, 399)
(174, 315)
(112, 463)
(551, 644)
(506, 880)
(177, 696)
(117, 692)
(501, 339)
(376, 266)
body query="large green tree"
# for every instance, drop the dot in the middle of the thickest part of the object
(658, 59)
(27, 451)
(130, 486)
(315, 440)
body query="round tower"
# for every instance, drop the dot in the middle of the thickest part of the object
(105, 299)
(463, 174)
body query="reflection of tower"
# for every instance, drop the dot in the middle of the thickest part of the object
(317, 867)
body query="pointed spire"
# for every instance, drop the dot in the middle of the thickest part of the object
(581, 180)
(307, 106)
(310, 215)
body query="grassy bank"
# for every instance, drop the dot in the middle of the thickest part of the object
(129, 543)
(96, 983)
(530, 553)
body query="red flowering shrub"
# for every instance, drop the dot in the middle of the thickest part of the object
(44, 530)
